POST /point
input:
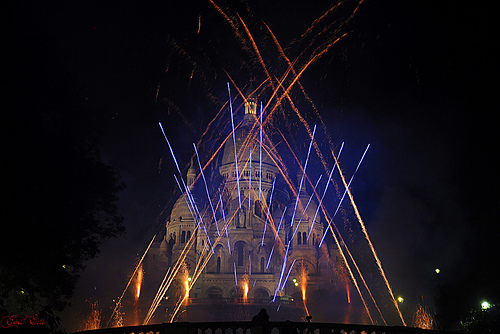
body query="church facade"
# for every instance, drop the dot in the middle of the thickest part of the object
(254, 244)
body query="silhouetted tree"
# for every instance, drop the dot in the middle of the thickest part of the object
(58, 196)
(481, 321)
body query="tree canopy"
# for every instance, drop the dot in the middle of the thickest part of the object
(59, 197)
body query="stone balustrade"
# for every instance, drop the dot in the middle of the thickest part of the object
(248, 327)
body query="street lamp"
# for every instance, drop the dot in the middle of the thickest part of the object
(485, 305)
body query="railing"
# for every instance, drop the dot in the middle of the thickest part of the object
(248, 327)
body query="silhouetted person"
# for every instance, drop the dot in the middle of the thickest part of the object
(308, 318)
(288, 328)
(261, 317)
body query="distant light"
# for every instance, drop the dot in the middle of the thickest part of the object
(401, 299)
(189, 279)
(294, 280)
(296, 284)
(485, 305)
(437, 270)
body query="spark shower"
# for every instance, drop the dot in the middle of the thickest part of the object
(248, 186)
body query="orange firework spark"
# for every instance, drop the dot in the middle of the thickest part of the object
(186, 287)
(138, 282)
(157, 92)
(254, 45)
(278, 86)
(303, 285)
(379, 264)
(130, 280)
(118, 320)
(423, 318)
(231, 23)
(245, 287)
(94, 318)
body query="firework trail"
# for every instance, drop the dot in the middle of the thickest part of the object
(275, 238)
(312, 194)
(379, 264)
(140, 275)
(346, 190)
(288, 275)
(235, 24)
(303, 173)
(260, 154)
(206, 188)
(324, 191)
(225, 224)
(282, 271)
(130, 280)
(360, 274)
(203, 260)
(250, 180)
(268, 211)
(234, 144)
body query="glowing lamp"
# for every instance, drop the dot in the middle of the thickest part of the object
(401, 299)
(437, 270)
(485, 305)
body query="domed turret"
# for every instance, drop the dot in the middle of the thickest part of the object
(306, 205)
(191, 175)
(250, 101)
(247, 138)
(181, 210)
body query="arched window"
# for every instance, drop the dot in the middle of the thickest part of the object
(174, 238)
(313, 240)
(215, 264)
(299, 238)
(304, 238)
(261, 293)
(188, 236)
(183, 237)
(262, 265)
(258, 209)
(240, 248)
(214, 293)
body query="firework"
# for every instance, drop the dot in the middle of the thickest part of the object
(130, 280)
(94, 319)
(281, 86)
(234, 144)
(206, 188)
(423, 318)
(302, 178)
(138, 282)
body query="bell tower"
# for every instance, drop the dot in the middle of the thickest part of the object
(250, 101)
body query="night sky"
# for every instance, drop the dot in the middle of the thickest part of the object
(414, 80)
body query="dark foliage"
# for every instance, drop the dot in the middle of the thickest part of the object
(481, 321)
(58, 196)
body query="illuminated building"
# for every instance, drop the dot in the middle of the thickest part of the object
(246, 264)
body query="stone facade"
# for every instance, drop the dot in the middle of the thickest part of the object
(243, 249)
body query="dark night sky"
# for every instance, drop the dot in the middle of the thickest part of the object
(415, 80)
